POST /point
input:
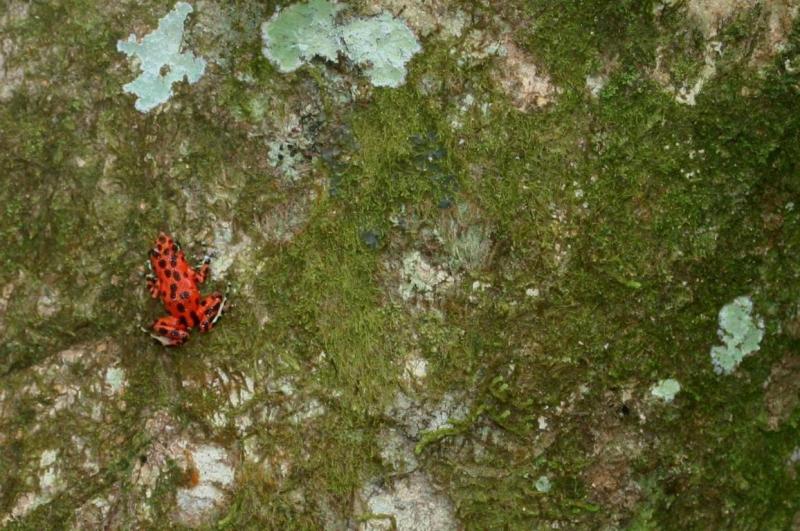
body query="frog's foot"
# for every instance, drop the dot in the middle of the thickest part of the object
(152, 282)
(169, 332)
(202, 271)
(210, 310)
(152, 286)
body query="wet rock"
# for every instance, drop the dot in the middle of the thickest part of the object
(306, 411)
(5, 298)
(397, 451)
(219, 27)
(611, 484)
(782, 391)
(49, 485)
(111, 204)
(407, 504)
(225, 250)
(425, 18)
(421, 279)
(518, 74)
(48, 304)
(415, 416)
(710, 15)
(283, 222)
(81, 387)
(209, 470)
(12, 75)
(523, 81)
(615, 446)
(211, 467)
(58, 384)
(792, 325)
(709, 18)
(97, 513)
(291, 148)
(232, 391)
(780, 16)
(278, 465)
(415, 368)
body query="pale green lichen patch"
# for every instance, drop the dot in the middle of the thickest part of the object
(115, 379)
(740, 332)
(382, 44)
(421, 278)
(161, 60)
(385, 44)
(296, 35)
(543, 484)
(666, 389)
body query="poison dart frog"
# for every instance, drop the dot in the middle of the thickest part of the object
(176, 283)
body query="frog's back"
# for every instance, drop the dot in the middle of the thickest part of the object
(176, 281)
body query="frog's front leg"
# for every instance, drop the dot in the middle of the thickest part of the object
(152, 281)
(201, 274)
(169, 331)
(152, 286)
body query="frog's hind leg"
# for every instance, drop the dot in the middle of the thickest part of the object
(210, 310)
(169, 331)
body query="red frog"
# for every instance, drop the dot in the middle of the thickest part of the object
(176, 283)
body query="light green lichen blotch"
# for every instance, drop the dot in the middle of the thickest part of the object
(543, 484)
(297, 34)
(161, 50)
(740, 332)
(666, 389)
(384, 44)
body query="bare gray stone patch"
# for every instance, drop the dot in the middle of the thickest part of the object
(410, 503)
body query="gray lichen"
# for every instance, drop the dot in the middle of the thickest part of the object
(543, 484)
(299, 33)
(161, 60)
(382, 45)
(740, 332)
(666, 389)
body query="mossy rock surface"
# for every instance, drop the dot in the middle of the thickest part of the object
(451, 300)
